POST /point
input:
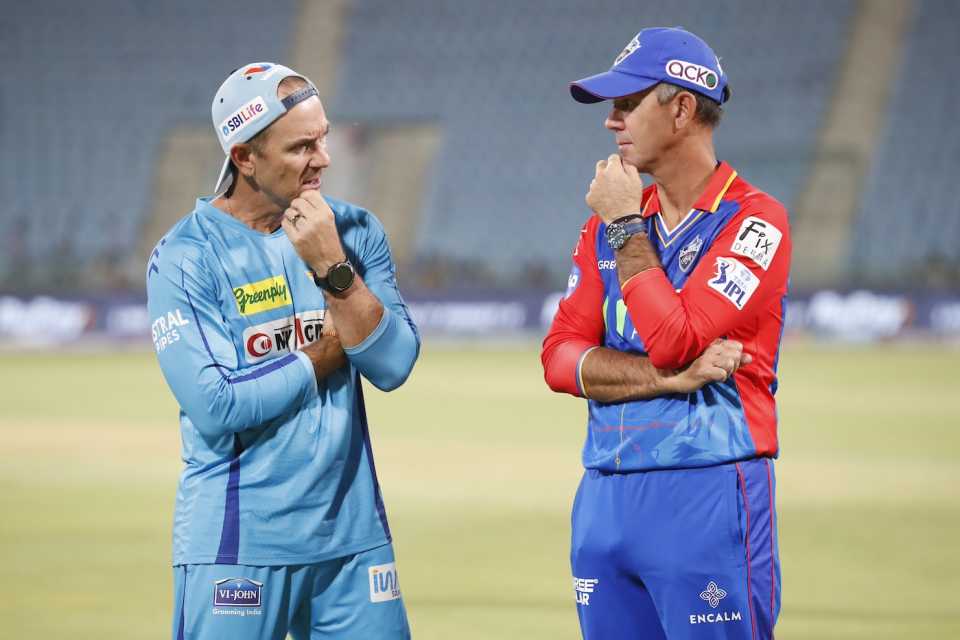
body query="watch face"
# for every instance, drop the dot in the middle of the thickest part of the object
(616, 235)
(340, 276)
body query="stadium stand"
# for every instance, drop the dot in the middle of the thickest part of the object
(518, 154)
(84, 108)
(823, 216)
(908, 228)
(81, 132)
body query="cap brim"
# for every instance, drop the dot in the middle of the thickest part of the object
(608, 85)
(224, 175)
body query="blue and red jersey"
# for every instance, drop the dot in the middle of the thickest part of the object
(724, 274)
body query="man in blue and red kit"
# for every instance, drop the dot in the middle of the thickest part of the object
(674, 525)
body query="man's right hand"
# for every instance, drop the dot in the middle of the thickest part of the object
(716, 364)
(326, 354)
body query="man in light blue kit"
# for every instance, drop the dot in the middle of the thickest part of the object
(269, 303)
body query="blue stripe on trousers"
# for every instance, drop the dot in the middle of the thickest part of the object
(763, 570)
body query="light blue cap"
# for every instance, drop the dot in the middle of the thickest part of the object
(247, 103)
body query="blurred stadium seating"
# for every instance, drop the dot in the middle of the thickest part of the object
(93, 90)
(518, 152)
(908, 227)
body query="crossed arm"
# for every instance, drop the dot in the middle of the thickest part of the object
(575, 362)
(609, 375)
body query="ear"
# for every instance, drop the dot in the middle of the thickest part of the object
(684, 110)
(242, 156)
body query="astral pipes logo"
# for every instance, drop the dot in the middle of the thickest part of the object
(243, 116)
(694, 73)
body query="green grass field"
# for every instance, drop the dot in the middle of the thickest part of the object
(479, 463)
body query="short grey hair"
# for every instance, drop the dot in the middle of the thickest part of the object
(708, 110)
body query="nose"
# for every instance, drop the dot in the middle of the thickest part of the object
(614, 121)
(320, 159)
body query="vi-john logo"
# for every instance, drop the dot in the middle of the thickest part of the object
(237, 597)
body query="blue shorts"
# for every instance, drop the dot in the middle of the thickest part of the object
(356, 596)
(689, 553)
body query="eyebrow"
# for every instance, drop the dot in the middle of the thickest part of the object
(304, 139)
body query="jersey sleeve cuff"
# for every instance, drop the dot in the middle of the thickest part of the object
(583, 356)
(371, 340)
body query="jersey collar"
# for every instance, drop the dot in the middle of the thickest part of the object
(723, 176)
(206, 207)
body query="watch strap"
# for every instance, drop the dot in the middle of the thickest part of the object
(633, 228)
(627, 218)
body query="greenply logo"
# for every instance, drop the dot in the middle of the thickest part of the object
(683, 70)
(267, 294)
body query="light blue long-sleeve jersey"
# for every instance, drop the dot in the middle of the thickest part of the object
(278, 467)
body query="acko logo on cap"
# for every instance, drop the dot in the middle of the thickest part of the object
(695, 73)
(244, 116)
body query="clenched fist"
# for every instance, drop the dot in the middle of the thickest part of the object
(616, 189)
(310, 225)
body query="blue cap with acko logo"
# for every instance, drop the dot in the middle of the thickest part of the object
(661, 54)
(247, 103)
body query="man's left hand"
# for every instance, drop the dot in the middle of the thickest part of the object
(310, 225)
(616, 189)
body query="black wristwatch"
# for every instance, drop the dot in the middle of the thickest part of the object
(620, 230)
(339, 278)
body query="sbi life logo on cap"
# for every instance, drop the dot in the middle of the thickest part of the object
(243, 116)
(695, 73)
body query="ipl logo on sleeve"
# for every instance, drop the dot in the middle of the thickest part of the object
(734, 281)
